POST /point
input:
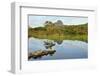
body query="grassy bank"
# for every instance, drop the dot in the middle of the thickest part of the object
(63, 37)
(52, 32)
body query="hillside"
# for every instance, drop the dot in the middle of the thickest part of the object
(60, 32)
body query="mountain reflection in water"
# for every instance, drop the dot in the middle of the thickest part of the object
(44, 49)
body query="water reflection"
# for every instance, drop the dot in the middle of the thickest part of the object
(43, 49)
(58, 41)
(39, 53)
(49, 44)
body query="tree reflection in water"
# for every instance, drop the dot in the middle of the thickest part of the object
(59, 42)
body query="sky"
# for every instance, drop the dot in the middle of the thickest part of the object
(39, 20)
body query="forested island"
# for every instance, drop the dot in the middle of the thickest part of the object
(59, 31)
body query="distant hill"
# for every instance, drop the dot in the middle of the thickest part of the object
(59, 23)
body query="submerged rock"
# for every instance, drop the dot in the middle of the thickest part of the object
(40, 53)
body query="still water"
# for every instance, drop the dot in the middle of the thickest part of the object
(66, 49)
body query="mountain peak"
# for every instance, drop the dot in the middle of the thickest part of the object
(59, 23)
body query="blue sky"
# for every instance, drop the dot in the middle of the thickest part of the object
(37, 20)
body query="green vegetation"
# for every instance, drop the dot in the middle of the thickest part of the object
(60, 32)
